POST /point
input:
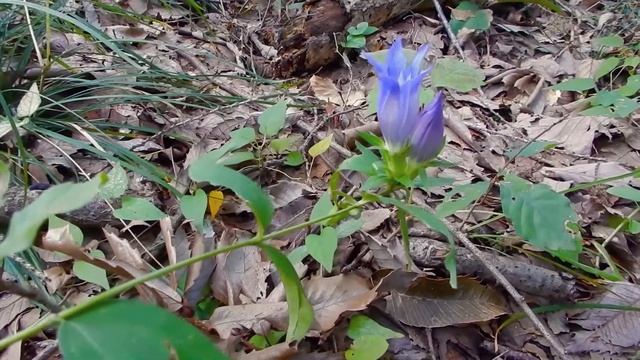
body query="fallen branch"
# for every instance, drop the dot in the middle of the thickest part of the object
(527, 278)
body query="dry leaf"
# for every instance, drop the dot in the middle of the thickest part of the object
(374, 218)
(591, 172)
(215, 199)
(334, 295)
(330, 298)
(432, 303)
(611, 331)
(574, 134)
(29, 103)
(324, 89)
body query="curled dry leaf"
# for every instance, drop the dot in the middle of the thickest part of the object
(330, 298)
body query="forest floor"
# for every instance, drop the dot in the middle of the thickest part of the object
(541, 156)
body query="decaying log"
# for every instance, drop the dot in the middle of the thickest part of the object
(95, 214)
(527, 278)
(308, 42)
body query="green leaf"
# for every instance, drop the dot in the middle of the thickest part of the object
(261, 342)
(236, 157)
(76, 233)
(282, 145)
(300, 310)
(540, 215)
(294, 158)
(363, 163)
(322, 208)
(633, 227)
(321, 146)
(348, 227)
(239, 138)
(606, 98)
(631, 62)
(323, 247)
(577, 84)
(457, 75)
(355, 42)
(361, 326)
(610, 41)
(625, 107)
(530, 149)
(24, 224)
(116, 185)
(91, 273)
(240, 184)
(135, 208)
(367, 348)
(607, 66)
(625, 192)
(631, 87)
(272, 120)
(298, 254)
(362, 28)
(471, 193)
(127, 329)
(475, 19)
(193, 208)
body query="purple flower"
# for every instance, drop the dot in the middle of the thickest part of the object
(402, 122)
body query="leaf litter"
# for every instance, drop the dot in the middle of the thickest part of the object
(528, 94)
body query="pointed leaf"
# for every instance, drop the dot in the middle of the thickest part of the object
(272, 120)
(323, 247)
(127, 329)
(193, 208)
(24, 224)
(135, 208)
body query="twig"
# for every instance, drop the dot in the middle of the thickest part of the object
(30, 293)
(519, 299)
(445, 24)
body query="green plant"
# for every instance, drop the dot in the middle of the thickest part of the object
(608, 96)
(356, 35)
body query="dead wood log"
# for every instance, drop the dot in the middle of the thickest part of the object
(307, 42)
(527, 278)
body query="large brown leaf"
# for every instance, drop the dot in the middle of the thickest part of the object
(610, 330)
(432, 303)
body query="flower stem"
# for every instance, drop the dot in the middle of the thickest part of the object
(54, 319)
(404, 231)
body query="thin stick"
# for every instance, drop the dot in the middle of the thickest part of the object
(519, 299)
(445, 23)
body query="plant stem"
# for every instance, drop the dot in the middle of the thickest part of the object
(404, 230)
(77, 309)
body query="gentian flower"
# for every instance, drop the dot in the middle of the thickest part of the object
(402, 122)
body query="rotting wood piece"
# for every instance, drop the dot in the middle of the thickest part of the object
(308, 42)
(527, 278)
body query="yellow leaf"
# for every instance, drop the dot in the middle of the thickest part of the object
(321, 146)
(29, 103)
(215, 200)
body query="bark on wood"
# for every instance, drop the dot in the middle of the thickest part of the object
(308, 42)
(95, 214)
(527, 278)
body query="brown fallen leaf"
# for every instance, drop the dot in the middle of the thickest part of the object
(611, 331)
(575, 134)
(325, 89)
(432, 303)
(591, 172)
(330, 298)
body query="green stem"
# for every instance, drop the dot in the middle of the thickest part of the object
(404, 231)
(53, 319)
